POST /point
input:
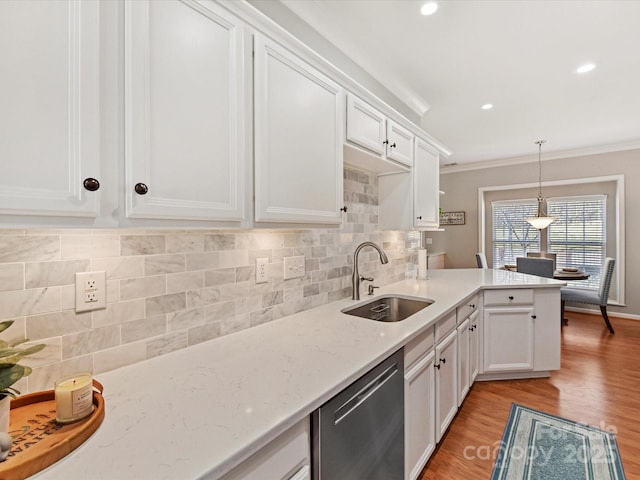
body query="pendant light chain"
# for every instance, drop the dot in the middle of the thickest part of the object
(539, 143)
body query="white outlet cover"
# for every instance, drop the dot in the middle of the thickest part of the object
(91, 291)
(262, 270)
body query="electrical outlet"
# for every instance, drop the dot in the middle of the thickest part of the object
(91, 291)
(262, 270)
(429, 241)
(294, 267)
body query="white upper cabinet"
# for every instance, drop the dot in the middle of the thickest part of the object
(366, 126)
(184, 102)
(426, 186)
(370, 129)
(49, 112)
(399, 143)
(299, 115)
(411, 200)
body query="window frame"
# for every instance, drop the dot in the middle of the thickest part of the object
(592, 264)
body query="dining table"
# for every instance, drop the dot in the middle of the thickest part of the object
(560, 274)
(571, 275)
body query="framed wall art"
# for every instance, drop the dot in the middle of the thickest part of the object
(451, 218)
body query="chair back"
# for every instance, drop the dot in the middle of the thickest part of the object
(605, 280)
(481, 259)
(542, 267)
(552, 256)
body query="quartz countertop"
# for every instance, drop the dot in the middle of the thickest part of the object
(204, 409)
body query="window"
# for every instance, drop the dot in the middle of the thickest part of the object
(578, 236)
(512, 236)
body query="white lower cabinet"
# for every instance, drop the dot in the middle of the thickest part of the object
(521, 330)
(419, 400)
(446, 365)
(474, 347)
(287, 457)
(464, 356)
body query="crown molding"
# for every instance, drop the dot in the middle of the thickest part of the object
(561, 154)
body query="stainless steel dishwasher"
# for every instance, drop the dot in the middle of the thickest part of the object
(359, 433)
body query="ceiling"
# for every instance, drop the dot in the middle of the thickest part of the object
(520, 56)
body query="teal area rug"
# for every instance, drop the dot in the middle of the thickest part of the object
(539, 446)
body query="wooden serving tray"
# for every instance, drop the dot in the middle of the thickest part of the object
(38, 440)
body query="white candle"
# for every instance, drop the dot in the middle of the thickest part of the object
(74, 397)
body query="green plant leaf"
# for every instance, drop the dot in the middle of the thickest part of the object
(4, 325)
(10, 375)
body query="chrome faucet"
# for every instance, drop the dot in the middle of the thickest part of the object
(356, 278)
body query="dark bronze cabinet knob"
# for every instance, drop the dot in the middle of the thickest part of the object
(91, 184)
(344, 209)
(419, 218)
(141, 188)
(510, 297)
(393, 145)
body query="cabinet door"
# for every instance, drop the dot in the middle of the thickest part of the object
(426, 186)
(288, 457)
(474, 347)
(508, 339)
(184, 111)
(365, 125)
(419, 399)
(299, 128)
(49, 114)
(446, 382)
(463, 360)
(400, 143)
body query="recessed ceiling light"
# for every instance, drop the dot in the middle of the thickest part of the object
(587, 67)
(429, 8)
(487, 106)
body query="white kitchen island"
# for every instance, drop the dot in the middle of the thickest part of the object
(201, 411)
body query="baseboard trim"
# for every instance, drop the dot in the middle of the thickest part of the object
(597, 313)
(485, 377)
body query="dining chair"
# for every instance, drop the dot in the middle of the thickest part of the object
(481, 260)
(552, 256)
(542, 267)
(591, 297)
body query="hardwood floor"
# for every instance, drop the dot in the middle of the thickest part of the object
(598, 384)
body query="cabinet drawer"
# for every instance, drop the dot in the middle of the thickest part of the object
(286, 457)
(418, 347)
(445, 325)
(467, 308)
(510, 296)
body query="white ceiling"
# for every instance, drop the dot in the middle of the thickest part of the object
(519, 55)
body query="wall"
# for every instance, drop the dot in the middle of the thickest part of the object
(461, 242)
(168, 289)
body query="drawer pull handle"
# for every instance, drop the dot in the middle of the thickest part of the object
(141, 189)
(91, 184)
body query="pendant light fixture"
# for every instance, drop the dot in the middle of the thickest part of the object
(541, 220)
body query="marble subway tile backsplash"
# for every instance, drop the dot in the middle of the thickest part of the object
(169, 289)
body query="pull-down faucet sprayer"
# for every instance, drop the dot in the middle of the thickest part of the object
(356, 278)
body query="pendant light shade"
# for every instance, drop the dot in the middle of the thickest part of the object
(541, 220)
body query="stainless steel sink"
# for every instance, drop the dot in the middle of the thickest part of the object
(388, 308)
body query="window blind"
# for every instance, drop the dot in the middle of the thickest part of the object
(578, 236)
(512, 236)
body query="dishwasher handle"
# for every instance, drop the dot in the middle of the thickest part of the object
(364, 393)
